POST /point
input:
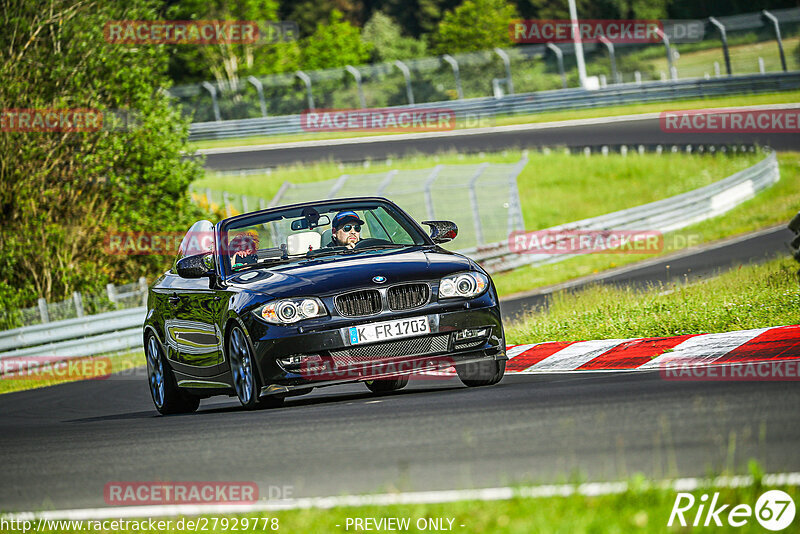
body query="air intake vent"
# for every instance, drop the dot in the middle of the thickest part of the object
(408, 296)
(359, 303)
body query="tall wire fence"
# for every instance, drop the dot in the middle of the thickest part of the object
(482, 199)
(116, 297)
(750, 45)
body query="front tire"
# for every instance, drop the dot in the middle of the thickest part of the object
(387, 385)
(483, 373)
(244, 375)
(167, 396)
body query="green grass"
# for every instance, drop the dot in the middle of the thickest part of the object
(776, 205)
(641, 508)
(751, 296)
(550, 116)
(115, 363)
(554, 188)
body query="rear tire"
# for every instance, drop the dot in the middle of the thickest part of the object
(167, 396)
(483, 373)
(388, 384)
(244, 375)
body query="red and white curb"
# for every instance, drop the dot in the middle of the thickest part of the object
(654, 353)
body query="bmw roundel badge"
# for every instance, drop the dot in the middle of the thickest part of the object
(379, 279)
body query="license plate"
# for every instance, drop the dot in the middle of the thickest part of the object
(370, 333)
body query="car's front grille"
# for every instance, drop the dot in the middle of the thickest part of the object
(416, 346)
(359, 303)
(408, 296)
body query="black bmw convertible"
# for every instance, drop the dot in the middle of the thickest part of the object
(274, 303)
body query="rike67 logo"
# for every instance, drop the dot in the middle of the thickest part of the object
(774, 511)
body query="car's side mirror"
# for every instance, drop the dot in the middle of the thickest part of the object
(196, 266)
(442, 231)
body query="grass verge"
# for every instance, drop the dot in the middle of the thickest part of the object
(554, 188)
(641, 508)
(776, 205)
(50, 376)
(751, 296)
(550, 116)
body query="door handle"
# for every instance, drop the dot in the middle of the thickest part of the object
(174, 299)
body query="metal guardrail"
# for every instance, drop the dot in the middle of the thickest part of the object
(563, 99)
(664, 215)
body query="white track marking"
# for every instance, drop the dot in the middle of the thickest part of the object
(590, 489)
(519, 349)
(703, 349)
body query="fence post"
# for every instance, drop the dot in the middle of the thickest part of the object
(507, 62)
(143, 289)
(724, 37)
(112, 293)
(43, 313)
(456, 73)
(77, 298)
(306, 80)
(385, 182)
(338, 185)
(260, 88)
(357, 75)
(672, 70)
(407, 75)
(226, 201)
(428, 185)
(611, 56)
(213, 92)
(560, 57)
(774, 20)
(245, 208)
(473, 198)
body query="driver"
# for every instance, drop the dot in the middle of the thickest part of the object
(345, 229)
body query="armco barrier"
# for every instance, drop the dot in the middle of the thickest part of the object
(577, 98)
(664, 215)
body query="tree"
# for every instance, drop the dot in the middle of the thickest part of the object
(62, 193)
(475, 25)
(387, 41)
(334, 44)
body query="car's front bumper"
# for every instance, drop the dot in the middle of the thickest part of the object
(342, 362)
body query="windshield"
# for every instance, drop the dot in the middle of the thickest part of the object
(332, 228)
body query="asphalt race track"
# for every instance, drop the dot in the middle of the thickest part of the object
(61, 445)
(635, 132)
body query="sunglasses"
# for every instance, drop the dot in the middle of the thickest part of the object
(348, 227)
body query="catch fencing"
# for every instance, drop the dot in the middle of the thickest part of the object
(665, 215)
(727, 49)
(482, 199)
(116, 297)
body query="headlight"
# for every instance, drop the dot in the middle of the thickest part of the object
(468, 285)
(291, 310)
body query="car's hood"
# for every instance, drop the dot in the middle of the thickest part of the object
(344, 273)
